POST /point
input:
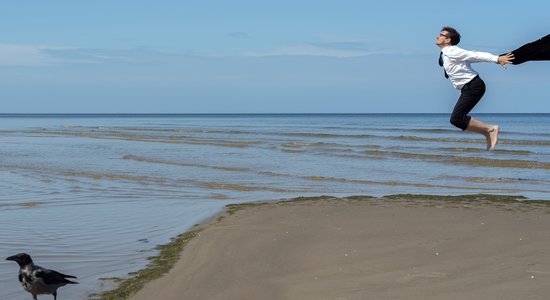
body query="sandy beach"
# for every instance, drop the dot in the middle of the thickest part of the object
(356, 248)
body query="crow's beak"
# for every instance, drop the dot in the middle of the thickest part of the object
(14, 258)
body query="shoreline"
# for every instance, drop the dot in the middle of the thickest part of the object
(168, 260)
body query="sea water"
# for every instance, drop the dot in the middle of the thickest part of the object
(92, 195)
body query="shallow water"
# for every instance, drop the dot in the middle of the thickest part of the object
(92, 195)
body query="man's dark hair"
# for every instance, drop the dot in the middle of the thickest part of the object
(452, 34)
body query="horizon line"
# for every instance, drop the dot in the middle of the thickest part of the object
(255, 113)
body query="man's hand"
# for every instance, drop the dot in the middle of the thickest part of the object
(505, 59)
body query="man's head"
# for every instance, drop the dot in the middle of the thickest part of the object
(448, 36)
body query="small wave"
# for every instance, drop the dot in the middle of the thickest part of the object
(524, 142)
(360, 181)
(363, 181)
(401, 183)
(162, 129)
(421, 130)
(244, 188)
(71, 174)
(392, 129)
(479, 150)
(477, 141)
(273, 174)
(170, 139)
(30, 204)
(222, 143)
(325, 135)
(430, 139)
(142, 179)
(471, 161)
(293, 151)
(502, 180)
(300, 144)
(93, 134)
(220, 197)
(183, 164)
(108, 176)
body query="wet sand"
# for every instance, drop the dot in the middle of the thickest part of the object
(403, 248)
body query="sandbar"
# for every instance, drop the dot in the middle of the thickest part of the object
(366, 248)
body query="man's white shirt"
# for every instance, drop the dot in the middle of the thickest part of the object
(456, 62)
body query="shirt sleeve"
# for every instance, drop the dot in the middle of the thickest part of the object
(459, 54)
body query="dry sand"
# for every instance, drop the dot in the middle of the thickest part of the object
(370, 249)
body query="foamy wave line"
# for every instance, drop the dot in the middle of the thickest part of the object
(183, 164)
(449, 140)
(505, 180)
(177, 137)
(479, 150)
(145, 180)
(174, 130)
(243, 132)
(172, 139)
(395, 183)
(324, 135)
(471, 161)
(212, 185)
(238, 187)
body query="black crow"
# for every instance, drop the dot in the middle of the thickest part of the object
(37, 280)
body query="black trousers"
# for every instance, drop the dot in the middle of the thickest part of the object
(470, 95)
(537, 50)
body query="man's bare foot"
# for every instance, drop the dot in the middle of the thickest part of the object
(493, 137)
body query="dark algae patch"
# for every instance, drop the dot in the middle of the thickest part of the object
(472, 197)
(158, 266)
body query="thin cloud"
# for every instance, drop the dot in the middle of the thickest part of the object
(28, 55)
(330, 46)
(45, 55)
(332, 50)
(83, 55)
(347, 45)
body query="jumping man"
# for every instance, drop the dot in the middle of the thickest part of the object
(456, 62)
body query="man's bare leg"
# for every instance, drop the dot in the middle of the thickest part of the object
(489, 131)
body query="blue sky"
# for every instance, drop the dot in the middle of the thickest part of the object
(259, 56)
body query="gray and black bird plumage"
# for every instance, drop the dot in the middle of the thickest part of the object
(38, 280)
